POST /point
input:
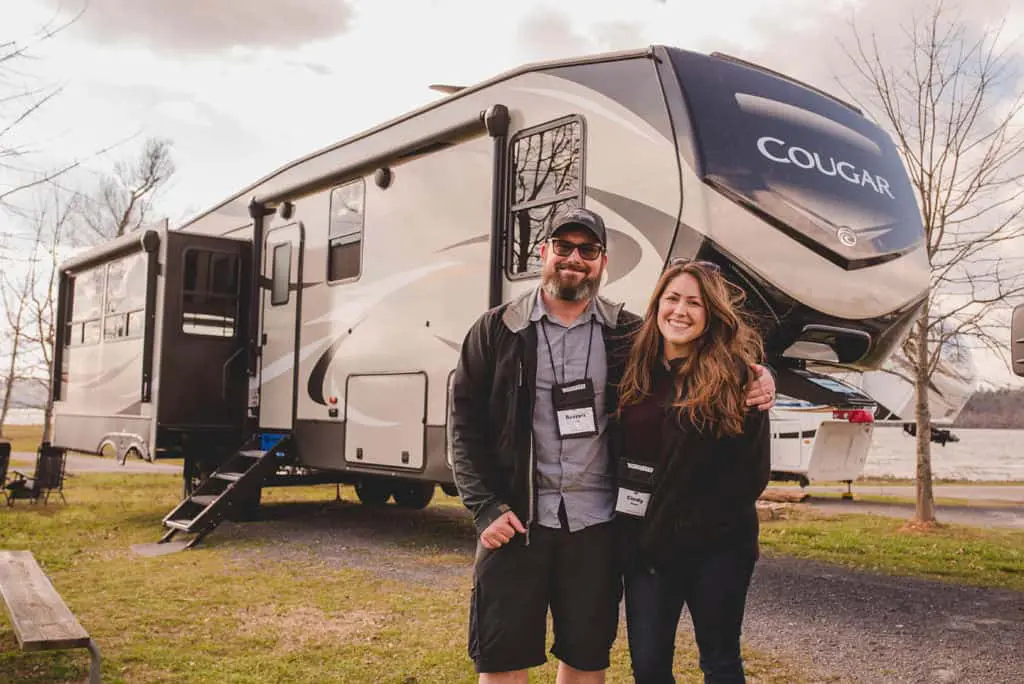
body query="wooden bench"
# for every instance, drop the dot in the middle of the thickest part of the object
(41, 619)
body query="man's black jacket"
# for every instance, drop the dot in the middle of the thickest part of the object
(492, 405)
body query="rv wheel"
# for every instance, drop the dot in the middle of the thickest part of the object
(373, 492)
(414, 494)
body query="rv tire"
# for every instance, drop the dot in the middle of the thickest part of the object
(373, 491)
(414, 495)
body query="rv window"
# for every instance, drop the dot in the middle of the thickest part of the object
(90, 332)
(280, 274)
(126, 296)
(86, 307)
(345, 232)
(546, 179)
(209, 304)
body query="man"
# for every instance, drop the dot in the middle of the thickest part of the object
(535, 382)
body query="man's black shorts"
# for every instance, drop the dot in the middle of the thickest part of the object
(573, 573)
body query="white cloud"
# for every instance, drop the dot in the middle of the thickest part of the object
(177, 26)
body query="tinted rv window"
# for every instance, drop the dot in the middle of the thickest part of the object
(209, 302)
(345, 232)
(281, 271)
(805, 162)
(546, 179)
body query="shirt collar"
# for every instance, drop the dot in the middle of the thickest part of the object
(540, 311)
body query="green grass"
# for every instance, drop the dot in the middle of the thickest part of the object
(23, 437)
(235, 609)
(953, 553)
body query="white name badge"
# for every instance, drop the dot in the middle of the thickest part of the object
(576, 422)
(632, 502)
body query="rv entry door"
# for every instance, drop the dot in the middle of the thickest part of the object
(281, 286)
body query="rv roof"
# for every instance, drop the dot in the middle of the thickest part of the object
(452, 92)
(522, 69)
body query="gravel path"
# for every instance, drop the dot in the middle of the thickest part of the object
(838, 625)
(851, 626)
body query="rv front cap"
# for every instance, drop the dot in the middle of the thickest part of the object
(582, 218)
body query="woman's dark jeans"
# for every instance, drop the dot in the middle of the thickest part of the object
(714, 587)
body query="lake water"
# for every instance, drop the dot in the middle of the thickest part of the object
(979, 455)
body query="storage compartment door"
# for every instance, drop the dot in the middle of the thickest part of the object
(385, 417)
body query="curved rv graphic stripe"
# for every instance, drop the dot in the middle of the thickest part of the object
(590, 104)
(358, 308)
(96, 380)
(315, 384)
(132, 410)
(657, 226)
(454, 345)
(471, 241)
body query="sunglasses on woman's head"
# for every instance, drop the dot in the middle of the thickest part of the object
(683, 261)
(588, 250)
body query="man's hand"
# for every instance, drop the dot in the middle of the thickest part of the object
(761, 389)
(499, 532)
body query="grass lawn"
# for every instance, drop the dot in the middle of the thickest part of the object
(952, 553)
(234, 609)
(23, 437)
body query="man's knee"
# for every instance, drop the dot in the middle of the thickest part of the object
(514, 677)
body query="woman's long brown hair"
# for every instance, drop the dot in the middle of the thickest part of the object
(710, 384)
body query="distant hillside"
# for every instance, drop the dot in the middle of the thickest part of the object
(26, 395)
(1002, 408)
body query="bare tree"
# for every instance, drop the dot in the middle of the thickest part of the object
(951, 100)
(29, 290)
(15, 295)
(21, 97)
(125, 199)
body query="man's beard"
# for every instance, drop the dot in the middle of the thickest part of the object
(586, 289)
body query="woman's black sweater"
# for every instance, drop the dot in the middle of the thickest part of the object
(705, 486)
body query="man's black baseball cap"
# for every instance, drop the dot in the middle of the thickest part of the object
(582, 218)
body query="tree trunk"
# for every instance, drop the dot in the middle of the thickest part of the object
(12, 371)
(48, 417)
(925, 505)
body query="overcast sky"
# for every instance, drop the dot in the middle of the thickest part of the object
(244, 86)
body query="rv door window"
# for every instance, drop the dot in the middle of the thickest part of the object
(281, 271)
(547, 180)
(209, 303)
(345, 232)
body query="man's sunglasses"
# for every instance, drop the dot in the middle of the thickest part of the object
(682, 261)
(588, 250)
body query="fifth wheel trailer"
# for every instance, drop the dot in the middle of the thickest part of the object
(353, 273)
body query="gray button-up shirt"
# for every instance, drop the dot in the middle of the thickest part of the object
(575, 471)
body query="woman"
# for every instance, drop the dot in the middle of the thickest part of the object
(694, 461)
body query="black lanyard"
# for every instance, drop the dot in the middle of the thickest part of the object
(551, 354)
